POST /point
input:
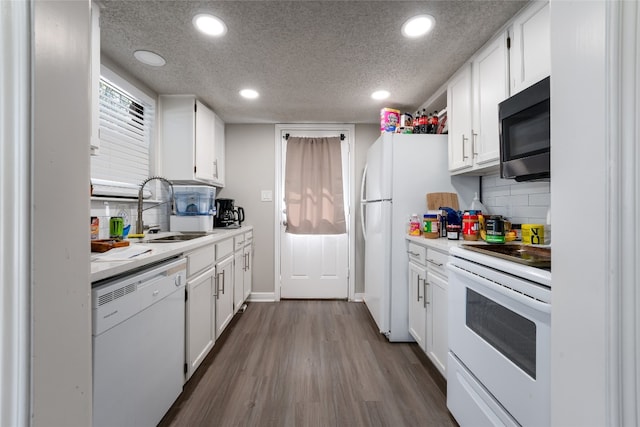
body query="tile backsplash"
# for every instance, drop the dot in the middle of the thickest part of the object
(129, 211)
(521, 202)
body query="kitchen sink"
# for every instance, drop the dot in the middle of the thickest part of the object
(175, 238)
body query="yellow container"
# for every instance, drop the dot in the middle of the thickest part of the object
(533, 234)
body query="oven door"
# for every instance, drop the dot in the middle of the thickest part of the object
(503, 338)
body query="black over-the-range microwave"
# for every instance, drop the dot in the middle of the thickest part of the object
(525, 136)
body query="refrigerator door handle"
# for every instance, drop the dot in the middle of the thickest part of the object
(363, 183)
(362, 203)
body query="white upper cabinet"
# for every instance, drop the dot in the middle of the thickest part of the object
(489, 89)
(530, 53)
(472, 104)
(204, 143)
(512, 61)
(218, 151)
(459, 110)
(189, 141)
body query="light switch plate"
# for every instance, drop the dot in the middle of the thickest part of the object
(266, 196)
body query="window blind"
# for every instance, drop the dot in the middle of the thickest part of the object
(126, 125)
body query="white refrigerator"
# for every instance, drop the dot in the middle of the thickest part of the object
(400, 171)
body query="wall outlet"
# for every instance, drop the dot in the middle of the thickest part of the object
(266, 196)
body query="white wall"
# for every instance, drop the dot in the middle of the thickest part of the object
(579, 324)
(61, 309)
(249, 165)
(250, 168)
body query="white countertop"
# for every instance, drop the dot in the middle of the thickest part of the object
(445, 245)
(441, 243)
(101, 270)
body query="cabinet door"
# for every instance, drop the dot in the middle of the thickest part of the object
(204, 160)
(437, 341)
(417, 311)
(224, 301)
(459, 110)
(489, 88)
(248, 271)
(200, 324)
(530, 56)
(218, 151)
(238, 280)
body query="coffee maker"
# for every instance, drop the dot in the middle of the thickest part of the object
(227, 215)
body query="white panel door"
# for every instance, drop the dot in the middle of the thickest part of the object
(316, 266)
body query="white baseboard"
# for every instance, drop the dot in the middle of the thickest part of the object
(262, 297)
(358, 297)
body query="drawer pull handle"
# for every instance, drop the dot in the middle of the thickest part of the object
(435, 263)
(413, 253)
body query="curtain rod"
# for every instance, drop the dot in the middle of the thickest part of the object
(286, 136)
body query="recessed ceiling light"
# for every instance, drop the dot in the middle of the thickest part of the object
(249, 93)
(209, 25)
(380, 94)
(418, 26)
(149, 58)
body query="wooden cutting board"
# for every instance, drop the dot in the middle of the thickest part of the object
(106, 244)
(438, 200)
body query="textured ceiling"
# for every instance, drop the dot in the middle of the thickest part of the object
(311, 61)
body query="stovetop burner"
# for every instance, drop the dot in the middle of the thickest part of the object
(533, 256)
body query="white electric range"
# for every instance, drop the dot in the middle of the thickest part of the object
(499, 336)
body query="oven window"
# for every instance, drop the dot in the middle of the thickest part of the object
(527, 132)
(508, 332)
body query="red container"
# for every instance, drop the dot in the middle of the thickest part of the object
(470, 226)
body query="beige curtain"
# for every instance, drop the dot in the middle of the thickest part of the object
(313, 192)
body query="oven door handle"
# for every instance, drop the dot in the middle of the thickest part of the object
(526, 300)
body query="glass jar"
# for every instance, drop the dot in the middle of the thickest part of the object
(470, 225)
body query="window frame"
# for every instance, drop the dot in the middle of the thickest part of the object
(112, 187)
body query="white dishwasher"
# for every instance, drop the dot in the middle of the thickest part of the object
(138, 345)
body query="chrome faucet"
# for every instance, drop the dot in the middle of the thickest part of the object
(139, 227)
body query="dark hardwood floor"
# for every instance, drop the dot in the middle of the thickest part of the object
(310, 363)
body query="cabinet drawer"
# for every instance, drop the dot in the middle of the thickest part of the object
(437, 261)
(239, 242)
(417, 253)
(224, 248)
(200, 259)
(248, 237)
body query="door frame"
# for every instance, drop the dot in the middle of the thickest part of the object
(348, 129)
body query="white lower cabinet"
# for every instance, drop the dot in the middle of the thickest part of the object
(417, 303)
(218, 283)
(224, 282)
(200, 333)
(437, 345)
(238, 279)
(201, 319)
(428, 302)
(247, 256)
